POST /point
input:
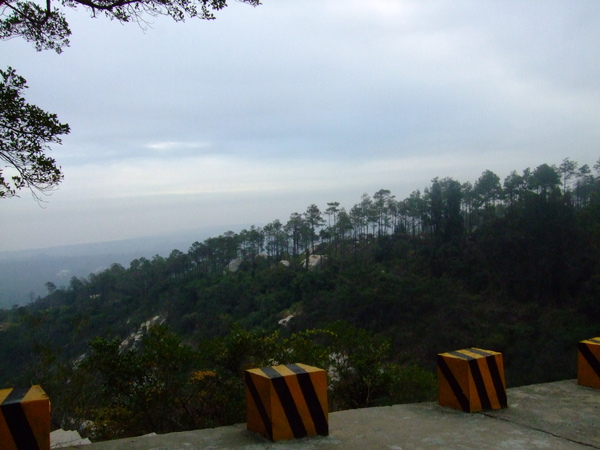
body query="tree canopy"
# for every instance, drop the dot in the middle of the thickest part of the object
(25, 132)
(47, 28)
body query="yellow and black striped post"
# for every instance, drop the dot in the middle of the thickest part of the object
(588, 363)
(471, 380)
(287, 401)
(24, 419)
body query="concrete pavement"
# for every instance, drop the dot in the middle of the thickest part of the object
(560, 415)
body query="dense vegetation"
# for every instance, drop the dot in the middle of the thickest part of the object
(511, 266)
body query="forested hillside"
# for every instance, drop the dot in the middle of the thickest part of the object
(512, 266)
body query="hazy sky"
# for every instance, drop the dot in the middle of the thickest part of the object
(265, 110)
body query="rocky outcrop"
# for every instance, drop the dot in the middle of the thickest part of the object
(234, 265)
(134, 339)
(284, 322)
(316, 261)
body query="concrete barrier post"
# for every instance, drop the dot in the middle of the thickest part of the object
(24, 419)
(588, 363)
(287, 401)
(471, 380)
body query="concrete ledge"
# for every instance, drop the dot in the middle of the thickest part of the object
(560, 415)
(66, 438)
(563, 409)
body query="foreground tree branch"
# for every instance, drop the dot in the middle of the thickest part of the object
(25, 132)
(46, 27)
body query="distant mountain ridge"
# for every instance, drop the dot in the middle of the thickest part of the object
(24, 273)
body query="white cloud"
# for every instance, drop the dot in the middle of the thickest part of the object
(170, 146)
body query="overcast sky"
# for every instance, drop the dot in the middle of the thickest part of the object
(258, 114)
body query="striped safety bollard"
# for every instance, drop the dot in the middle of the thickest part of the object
(24, 419)
(471, 380)
(588, 363)
(287, 401)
